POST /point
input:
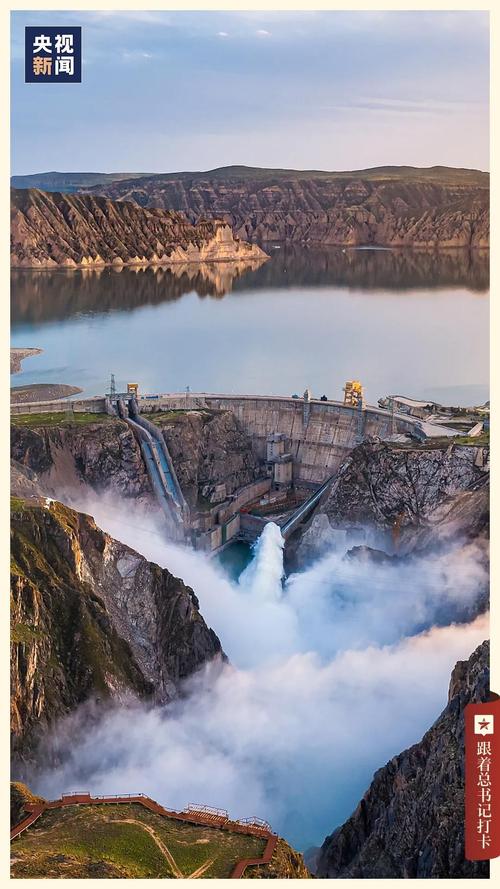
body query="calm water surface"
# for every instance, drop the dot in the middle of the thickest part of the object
(406, 323)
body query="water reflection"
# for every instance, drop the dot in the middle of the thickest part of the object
(48, 295)
(411, 323)
(54, 295)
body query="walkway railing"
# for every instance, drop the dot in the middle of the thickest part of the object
(195, 814)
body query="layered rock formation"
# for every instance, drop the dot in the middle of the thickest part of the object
(410, 822)
(394, 207)
(90, 619)
(52, 229)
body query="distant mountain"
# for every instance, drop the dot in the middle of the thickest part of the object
(456, 175)
(68, 182)
(54, 229)
(385, 206)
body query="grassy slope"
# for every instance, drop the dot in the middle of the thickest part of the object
(60, 418)
(99, 841)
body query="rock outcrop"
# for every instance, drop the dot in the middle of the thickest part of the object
(410, 822)
(391, 206)
(90, 619)
(381, 483)
(49, 230)
(102, 455)
(21, 799)
(286, 864)
(208, 449)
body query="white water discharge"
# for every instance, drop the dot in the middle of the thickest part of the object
(332, 673)
(263, 577)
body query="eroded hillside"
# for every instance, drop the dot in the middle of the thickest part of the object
(53, 229)
(394, 207)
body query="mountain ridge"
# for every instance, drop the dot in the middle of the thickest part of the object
(241, 170)
(388, 207)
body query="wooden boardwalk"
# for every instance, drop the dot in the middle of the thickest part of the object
(204, 816)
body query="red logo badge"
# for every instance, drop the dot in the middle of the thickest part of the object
(482, 780)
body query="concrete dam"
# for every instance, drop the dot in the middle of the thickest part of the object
(318, 435)
(299, 443)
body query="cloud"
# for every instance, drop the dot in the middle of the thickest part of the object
(222, 34)
(330, 677)
(296, 743)
(333, 605)
(136, 55)
(261, 32)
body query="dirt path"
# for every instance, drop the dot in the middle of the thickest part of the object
(201, 870)
(161, 845)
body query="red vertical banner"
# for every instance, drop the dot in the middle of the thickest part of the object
(482, 780)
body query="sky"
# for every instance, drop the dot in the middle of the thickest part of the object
(173, 91)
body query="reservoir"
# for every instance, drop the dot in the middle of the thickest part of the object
(402, 322)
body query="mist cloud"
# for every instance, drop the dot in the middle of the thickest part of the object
(331, 675)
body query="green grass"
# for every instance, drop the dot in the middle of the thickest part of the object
(24, 633)
(479, 440)
(74, 841)
(171, 416)
(165, 416)
(60, 418)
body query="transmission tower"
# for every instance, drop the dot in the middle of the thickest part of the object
(112, 387)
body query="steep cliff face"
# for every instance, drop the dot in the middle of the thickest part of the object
(381, 483)
(50, 230)
(440, 207)
(410, 823)
(208, 449)
(90, 618)
(65, 456)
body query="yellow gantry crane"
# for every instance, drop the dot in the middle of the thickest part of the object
(353, 393)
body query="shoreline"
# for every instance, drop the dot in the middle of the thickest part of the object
(89, 265)
(18, 355)
(34, 392)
